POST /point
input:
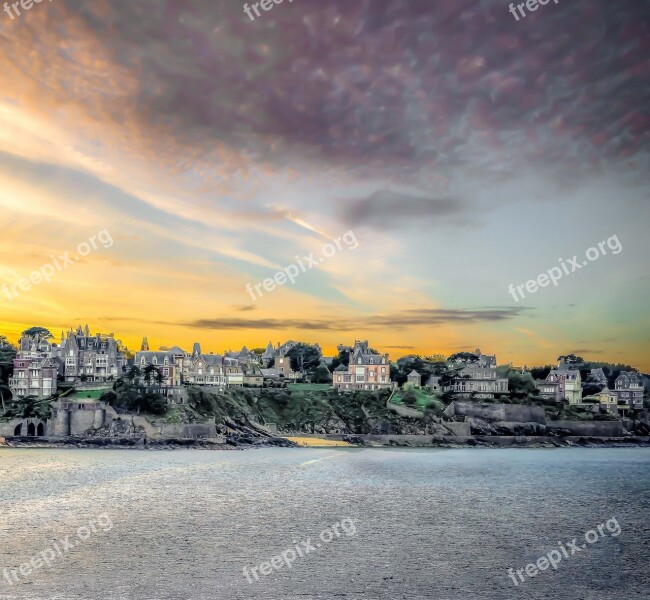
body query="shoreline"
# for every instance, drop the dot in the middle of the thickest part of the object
(345, 441)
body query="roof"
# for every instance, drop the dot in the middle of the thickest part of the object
(413, 372)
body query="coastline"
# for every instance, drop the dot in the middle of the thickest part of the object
(347, 441)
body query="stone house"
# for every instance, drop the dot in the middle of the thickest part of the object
(568, 384)
(36, 368)
(366, 371)
(629, 389)
(415, 378)
(90, 357)
(478, 379)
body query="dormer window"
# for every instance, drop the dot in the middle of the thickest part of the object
(155, 360)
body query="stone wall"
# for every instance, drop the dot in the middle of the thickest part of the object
(516, 413)
(185, 431)
(589, 428)
(8, 428)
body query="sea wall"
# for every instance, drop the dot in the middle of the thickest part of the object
(588, 428)
(514, 413)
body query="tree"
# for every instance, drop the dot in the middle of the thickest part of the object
(41, 331)
(29, 407)
(303, 358)
(343, 358)
(133, 373)
(7, 355)
(409, 398)
(464, 357)
(321, 374)
(435, 358)
(149, 373)
(403, 366)
(572, 360)
(541, 372)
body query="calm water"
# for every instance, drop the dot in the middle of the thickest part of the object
(444, 524)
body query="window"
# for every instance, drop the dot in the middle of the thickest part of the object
(383, 369)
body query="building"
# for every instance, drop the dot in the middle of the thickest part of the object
(245, 357)
(597, 377)
(478, 379)
(164, 369)
(36, 368)
(366, 371)
(267, 356)
(283, 362)
(566, 382)
(548, 390)
(629, 389)
(89, 357)
(177, 369)
(253, 376)
(415, 378)
(604, 399)
(433, 383)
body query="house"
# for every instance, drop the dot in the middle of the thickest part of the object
(433, 383)
(478, 379)
(244, 356)
(605, 399)
(36, 368)
(569, 384)
(366, 371)
(629, 389)
(548, 390)
(90, 357)
(267, 356)
(415, 378)
(597, 377)
(253, 376)
(179, 368)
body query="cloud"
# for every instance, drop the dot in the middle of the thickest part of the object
(403, 319)
(387, 209)
(246, 308)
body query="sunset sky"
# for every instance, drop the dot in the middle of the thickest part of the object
(464, 150)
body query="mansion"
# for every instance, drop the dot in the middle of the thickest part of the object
(561, 384)
(174, 368)
(366, 370)
(478, 379)
(80, 356)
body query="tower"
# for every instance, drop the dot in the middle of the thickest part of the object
(145, 345)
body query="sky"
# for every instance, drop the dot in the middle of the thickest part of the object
(461, 150)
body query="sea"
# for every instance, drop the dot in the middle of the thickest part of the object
(326, 524)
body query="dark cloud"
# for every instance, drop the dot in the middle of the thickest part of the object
(586, 351)
(393, 87)
(407, 318)
(245, 308)
(387, 209)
